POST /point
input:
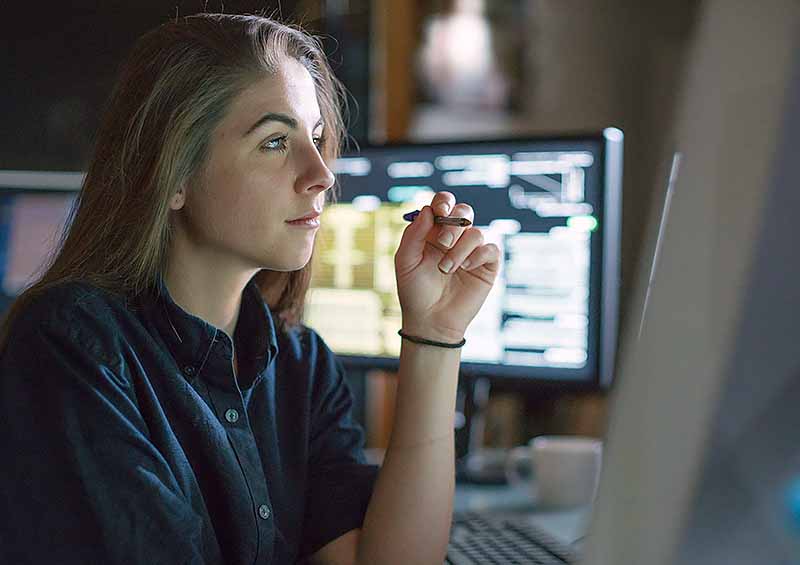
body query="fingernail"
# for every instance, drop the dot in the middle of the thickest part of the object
(446, 265)
(443, 209)
(465, 265)
(446, 239)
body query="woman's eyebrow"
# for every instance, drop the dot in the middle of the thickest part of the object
(276, 117)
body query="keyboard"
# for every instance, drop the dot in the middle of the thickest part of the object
(481, 538)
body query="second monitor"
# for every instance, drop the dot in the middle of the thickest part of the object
(553, 207)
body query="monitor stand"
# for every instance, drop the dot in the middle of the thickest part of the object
(472, 402)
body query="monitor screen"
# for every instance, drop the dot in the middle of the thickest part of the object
(552, 206)
(34, 210)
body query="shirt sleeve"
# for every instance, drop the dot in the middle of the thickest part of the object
(81, 482)
(340, 481)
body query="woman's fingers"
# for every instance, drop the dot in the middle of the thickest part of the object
(447, 236)
(487, 256)
(470, 239)
(443, 202)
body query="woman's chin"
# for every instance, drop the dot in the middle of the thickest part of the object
(287, 265)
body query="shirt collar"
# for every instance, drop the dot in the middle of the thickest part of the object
(196, 344)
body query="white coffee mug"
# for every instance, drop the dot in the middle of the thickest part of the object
(566, 469)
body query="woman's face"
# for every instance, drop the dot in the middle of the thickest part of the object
(264, 169)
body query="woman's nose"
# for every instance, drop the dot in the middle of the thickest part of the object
(317, 175)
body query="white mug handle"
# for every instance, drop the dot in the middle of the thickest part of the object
(515, 456)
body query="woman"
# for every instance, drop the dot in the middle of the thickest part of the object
(161, 402)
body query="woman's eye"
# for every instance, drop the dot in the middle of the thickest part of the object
(277, 144)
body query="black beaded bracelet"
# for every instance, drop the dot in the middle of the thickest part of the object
(422, 340)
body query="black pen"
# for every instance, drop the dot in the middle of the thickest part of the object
(443, 220)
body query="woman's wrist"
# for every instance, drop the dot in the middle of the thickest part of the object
(430, 333)
(424, 341)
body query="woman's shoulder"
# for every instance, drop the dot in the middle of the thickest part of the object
(69, 302)
(73, 322)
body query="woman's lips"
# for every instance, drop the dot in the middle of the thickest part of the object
(311, 215)
(312, 222)
(309, 220)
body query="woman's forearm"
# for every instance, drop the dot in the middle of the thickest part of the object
(410, 512)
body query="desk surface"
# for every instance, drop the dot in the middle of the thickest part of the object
(567, 526)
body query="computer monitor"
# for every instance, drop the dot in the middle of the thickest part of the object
(553, 207)
(34, 209)
(701, 464)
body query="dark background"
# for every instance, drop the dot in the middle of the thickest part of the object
(61, 61)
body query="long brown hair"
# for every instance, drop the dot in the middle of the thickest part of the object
(174, 88)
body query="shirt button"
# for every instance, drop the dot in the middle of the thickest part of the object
(231, 415)
(263, 511)
(188, 370)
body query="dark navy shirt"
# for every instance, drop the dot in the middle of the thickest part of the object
(126, 437)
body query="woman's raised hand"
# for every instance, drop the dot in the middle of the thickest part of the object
(444, 273)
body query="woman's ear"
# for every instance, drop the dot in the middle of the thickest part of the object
(178, 199)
